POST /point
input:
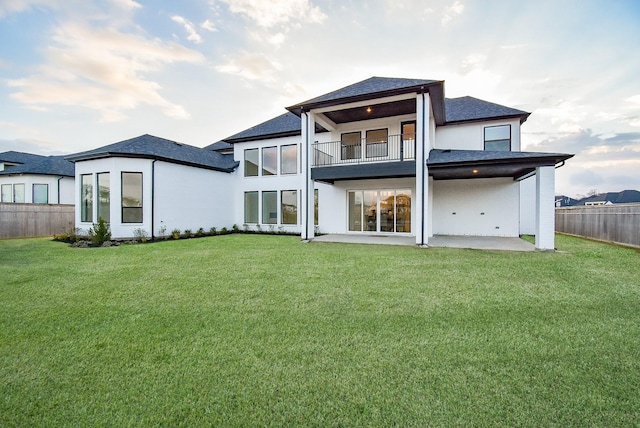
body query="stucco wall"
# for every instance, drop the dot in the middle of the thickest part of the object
(66, 186)
(471, 136)
(528, 206)
(482, 207)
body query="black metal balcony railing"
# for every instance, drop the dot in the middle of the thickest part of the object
(396, 148)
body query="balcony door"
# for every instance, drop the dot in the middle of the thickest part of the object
(384, 211)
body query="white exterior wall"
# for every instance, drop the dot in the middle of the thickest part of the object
(497, 198)
(66, 186)
(528, 206)
(191, 198)
(471, 136)
(261, 183)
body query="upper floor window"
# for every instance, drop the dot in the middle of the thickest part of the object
(497, 138)
(351, 145)
(270, 161)
(40, 194)
(289, 159)
(377, 143)
(251, 162)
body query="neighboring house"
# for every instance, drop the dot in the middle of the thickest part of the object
(609, 198)
(382, 156)
(565, 201)
(153, 185)
(29, 178)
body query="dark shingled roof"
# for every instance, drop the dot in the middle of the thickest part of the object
(449, 157)
(624, 197)
(150, 147)
(285, 125)
(42, 165)
(466, 109)
(370, 86)
(219, 146)
(19, 157)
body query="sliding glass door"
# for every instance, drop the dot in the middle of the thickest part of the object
(386, 211)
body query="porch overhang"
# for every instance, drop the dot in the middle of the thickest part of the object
(468, 164)
(331, 174)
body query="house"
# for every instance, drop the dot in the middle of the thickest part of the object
(29, 178)
(565, 201)
(383, 156)
(610, 198)
(153, 185)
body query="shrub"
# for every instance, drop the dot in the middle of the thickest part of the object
(235, 228)
(224, 231)
(187, 233)
(200, 232)
(175, 233)
(100, 232)
(140, 234)
(213, 231)
(162, 231)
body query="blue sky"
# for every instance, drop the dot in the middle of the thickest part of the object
(79, 74)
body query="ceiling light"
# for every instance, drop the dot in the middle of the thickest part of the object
(369, 110)
(475, 171)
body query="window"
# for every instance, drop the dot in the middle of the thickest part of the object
(289, 206)
(7, 194)
(270, 161)
(104, 197)
(132, 197)
(351, 145)
(18, 193)
(497, 138)
(269, 207)
(251, 207)
(40, 194)
(315, 206)
(377, 143)
(251, 163)
(289, 159)
(86, 198)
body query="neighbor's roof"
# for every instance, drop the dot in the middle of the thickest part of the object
(151, 147)
(624, 197)
(465, 109)
(41, 165)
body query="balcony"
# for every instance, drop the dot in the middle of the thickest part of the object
(362, 158)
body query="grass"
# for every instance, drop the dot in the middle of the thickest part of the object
(242, 330)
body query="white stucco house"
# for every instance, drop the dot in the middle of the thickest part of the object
(28, 178)
(383, 156)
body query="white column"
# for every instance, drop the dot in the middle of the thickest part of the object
(308, 138)
(422, 172)
(545, 208)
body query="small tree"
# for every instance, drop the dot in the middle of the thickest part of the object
(100, 232)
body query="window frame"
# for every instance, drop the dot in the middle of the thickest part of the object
(282, 207)
(350, 148)
(267, 215)
(122, 196)
(375, 144)
(33, 193)
(496, 140)
(247, 220)
(3, 192)
(86, 209)
(247, 161)
(98, 196)
(275, 157)
(282, 157)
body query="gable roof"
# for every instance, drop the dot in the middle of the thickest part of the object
(466, 109)
(151, 147)
(41, 165)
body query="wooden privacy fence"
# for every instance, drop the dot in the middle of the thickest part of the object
(30, 220)
(614, 223)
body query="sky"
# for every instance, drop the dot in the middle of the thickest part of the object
(79, 74)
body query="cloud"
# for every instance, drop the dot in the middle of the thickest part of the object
(189, 28)
(102, 69)
(208, 25)
(32, 145)
(252, 66)
(452, 12)
(269, 14)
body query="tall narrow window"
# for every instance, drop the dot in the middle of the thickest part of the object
(132, 197)
(497, 138)
(251, 162)
(269, 207)
(377, 143)
(289, 206)
(18, 193)
(7, 194)
(355, 211)
(86, 198)
(251, 207)
(40, 194)
(104, 197)
(269, 161)
(289, 159)
(408, 148)
(351, 145)
(315, 206)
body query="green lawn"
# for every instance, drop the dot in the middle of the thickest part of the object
(246, 330)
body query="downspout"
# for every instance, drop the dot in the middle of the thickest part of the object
(153, 214)
(423, 167)
(59, 178)
(306, 181)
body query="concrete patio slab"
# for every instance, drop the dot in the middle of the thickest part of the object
(447, 241)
